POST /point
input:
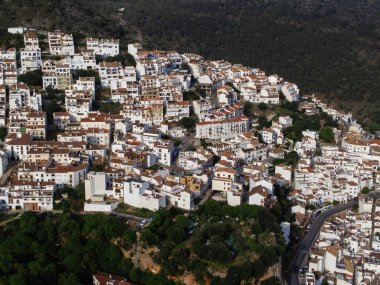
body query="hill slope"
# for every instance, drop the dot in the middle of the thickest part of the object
(329, 48)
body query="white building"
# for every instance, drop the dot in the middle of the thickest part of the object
(222, 129)
(138, 195)
(290, 91)
(177, 110)
(164, 151)
(96, 186)
(3, 162)
(104, 47)
(17, 145)
(224, 179)
(30, 59)
(31, 195)
(3, 105)
(354, 143)
(202, 108)
(258, 196)
(61, 43)
(110, 74)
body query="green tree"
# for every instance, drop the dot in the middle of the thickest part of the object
(32, 78)
(365, 190)
(258, 268)
(87, 73)
(268, 256)
(271, 281)
(262, 106)
(17, 279)
(110, 107)
(188, 122)
(263, 122)
(125, 59)
(326, 134)
(248, 109)
(129, 237)
(177, 234)
(291, 158)
(148, 237)
(3, 133)
(190, 96)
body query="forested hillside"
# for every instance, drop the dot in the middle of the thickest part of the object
(329, 47)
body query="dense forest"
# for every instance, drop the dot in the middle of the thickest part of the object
(240, 242)
(66, 249)
(62, 249)
(329, 48)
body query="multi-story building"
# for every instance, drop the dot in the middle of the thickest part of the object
(3, 105)
(60, 174)
(84, 60)
(78, 104)
(31, 41)
(290, 91)
(61, 43)
(138, 194)
(104, 47)
(19, 96)
(31, 195)
(354, 143)
(56, 75)
(222, 129)
(202, 108)
(9, 54)
(178, 110)
(8, 66)
(30, 56)
(164, 151)
(224, 179)
(30, 59)
(17, 145)
(110, 73)
(26, 120)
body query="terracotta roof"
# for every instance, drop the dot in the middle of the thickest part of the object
(225, 169)
(258, 190)
(110, 279)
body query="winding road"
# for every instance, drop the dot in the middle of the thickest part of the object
(304, 246)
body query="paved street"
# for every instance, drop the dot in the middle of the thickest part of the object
(304, 246)
(12, 164)
(116, 214)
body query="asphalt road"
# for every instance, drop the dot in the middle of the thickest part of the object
(304, 246)
(124, 217)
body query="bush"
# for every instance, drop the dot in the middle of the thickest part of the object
(269, 256)
(126, 60)
(365, 190)
(148, 237)
(326, 134)
(256, 229)
(190, 96)
(248, 108)
(262, 107)
(177, 234)
(271, 281)
(33, 78)
(110, 107)
(3, 133)
(188, 123)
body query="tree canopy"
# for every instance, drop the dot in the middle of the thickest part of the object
(65, 249)
(326, 134)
